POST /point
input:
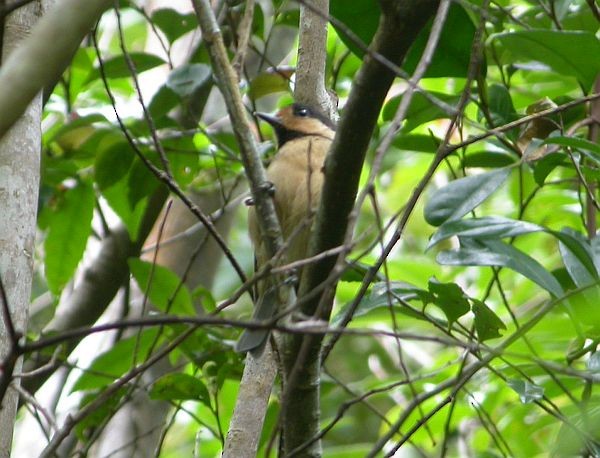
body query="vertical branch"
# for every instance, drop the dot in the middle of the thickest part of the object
(312, 57)
(398, 27)
(35, 63)
(19, 183)
(244, 33)
(259, 373)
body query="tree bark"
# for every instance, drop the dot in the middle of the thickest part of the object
(35, 64)
(19, 185)
(312, 58)
(399, 26)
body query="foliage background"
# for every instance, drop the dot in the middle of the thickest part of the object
(479, 336)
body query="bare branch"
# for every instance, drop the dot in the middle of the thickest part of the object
(35, 64)
(312, 57)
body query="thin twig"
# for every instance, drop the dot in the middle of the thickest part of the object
(72, 420)
(13, 336)
(165, 178)
(244, 31)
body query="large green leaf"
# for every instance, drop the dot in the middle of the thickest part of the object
(173, 23)
(163, 101)
(571, 249)
(180, 387)
(68, 231)
(564, 52)
(113, 162)
(487, 227)
(100, 415)
(493, 159)
(461, 196)
(113, 363)
(450, 298)
(124, 180)
(361, 17)
(576, 251)
(165, 289)
(417, 142)
(500, 254)
(589, 149)
(117, 67)
(453, 52)
(186, 80)
(500, 106)
(80, 69)
(383, 295)
(421, 109)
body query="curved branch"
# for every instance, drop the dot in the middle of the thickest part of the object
(34, 64)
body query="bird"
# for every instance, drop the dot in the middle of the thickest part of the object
(304, 136)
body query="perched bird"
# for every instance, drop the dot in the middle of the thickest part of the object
(304, 137)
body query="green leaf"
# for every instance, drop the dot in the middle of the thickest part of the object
(453, 52)
(114, 363)
(125, 181)
(206, 299)
(174, 24)
(417, 142)
(576, 143)
(420, 111)
(113, 162)
(489, 159)
(359, 16)
(80, 69)
(165, 290)
(461, 196)
(564, 52)
(528, 392)
(100, 415)
(68, 233)
(546, 165)
(78, 125)
(382, 296)
(487, 323)
(188, 78)
(269, 82)
(141, 182)
(450, 298)
(590, 149)
(576, 252)
(180, 387)
(501, 106)
(356, 272)
(499, 254)
(163, 102)
(577, 257)
(116, 67)
(495, 227)
(117, 197)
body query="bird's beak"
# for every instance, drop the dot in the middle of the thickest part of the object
(274, 120)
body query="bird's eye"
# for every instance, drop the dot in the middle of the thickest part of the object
(302, 112)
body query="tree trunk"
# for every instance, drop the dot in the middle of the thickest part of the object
(19, 183)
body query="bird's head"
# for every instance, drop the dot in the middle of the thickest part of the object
(298, 120)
